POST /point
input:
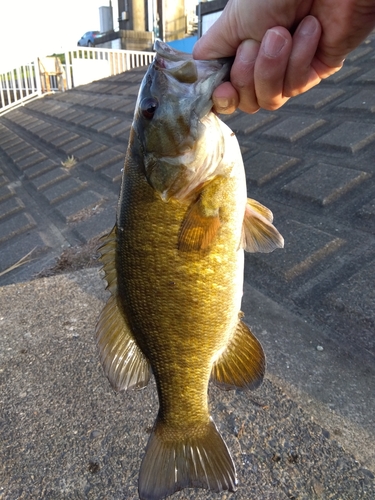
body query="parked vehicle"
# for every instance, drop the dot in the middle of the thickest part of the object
(88, 39)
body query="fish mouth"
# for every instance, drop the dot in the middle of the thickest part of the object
(187, 75)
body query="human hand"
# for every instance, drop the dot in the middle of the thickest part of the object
(271, 65)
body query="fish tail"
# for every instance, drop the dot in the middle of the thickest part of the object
(200, 460)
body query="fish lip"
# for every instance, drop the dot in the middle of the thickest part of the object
(180, 66)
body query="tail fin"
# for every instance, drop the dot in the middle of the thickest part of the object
(198, 461)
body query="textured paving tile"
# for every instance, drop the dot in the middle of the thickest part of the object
(265, 166)
(49, 178)
(368, 77)
(324, 183)
(121, 129)
(18, 224)
(85, 119)
(10, 206)
(316, 98)
(31, 160)
(14, 250)
(100, 223)
(66, 114)
(341, 75)
(349, 136)
(305, 247)
(6, 192)
(368, 210)
(70, 147)
(3, 179)
(356, 296)
(358, 53)
(60, 137)
(40, 168)
(63, 189)
(294, 128)
(104, 159)
(76, 207)
(366, 215)
(114, 172)
(362, 101)
(106, 123)
(245, 124)
(18, 150)
(38, 126)
(89, 150)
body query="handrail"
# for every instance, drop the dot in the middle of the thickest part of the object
(29, 82)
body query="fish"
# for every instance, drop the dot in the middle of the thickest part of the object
(174, 265)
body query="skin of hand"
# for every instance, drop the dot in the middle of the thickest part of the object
(271, 64)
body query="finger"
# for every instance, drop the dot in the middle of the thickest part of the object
(225, 99)
(323, 70)
(242, 75)
(270, 68)
(221, 39)
(300, 75)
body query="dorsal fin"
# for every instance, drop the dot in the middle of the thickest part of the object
(123, 362)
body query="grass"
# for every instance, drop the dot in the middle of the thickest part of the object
(24, 260)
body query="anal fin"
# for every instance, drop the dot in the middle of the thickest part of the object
(242, 364)
(197, 460)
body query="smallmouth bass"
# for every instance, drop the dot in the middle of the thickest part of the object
(174, 266)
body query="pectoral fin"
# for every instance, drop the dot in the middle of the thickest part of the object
(202, 221)
(242, 364)
(123, 362)
(197, 231)
(258, 232)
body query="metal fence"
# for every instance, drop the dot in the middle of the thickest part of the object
(19, 85)
(80, 66)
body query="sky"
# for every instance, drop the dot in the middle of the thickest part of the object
(37, 28)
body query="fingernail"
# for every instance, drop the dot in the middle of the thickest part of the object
(308, 26)
(273, 42)
(224, 105)
(248, 51)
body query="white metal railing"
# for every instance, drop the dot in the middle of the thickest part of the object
(19, 85)
(82, 65)
(102, 63)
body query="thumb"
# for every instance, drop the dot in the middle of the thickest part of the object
(221, 40)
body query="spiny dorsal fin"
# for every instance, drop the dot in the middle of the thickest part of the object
(200, 460)
(123, 362)
(242, 364)
(197, 231)
(258, 234)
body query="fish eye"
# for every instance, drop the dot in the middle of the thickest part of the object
(148, 107)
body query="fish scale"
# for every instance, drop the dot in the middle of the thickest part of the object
(174, 266)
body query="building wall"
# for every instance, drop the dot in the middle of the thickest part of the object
(170, 17)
